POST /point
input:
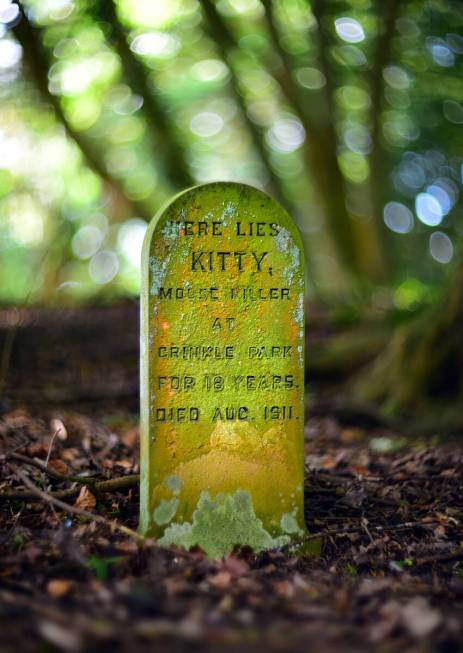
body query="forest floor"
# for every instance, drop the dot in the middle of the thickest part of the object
(390, 576)
(388, 510)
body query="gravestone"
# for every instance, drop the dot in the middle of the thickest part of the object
(222, 372)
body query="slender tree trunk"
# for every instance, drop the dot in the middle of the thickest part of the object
(319, 153)
(361, 236)
(388, 13)
(36, 62)
(167, 145)
(226, 44)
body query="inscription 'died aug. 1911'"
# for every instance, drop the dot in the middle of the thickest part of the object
(222, 354)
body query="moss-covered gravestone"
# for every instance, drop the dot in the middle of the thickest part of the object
(222, 382)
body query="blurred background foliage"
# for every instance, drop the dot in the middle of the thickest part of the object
(350, 113)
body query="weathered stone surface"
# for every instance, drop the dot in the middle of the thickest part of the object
(222, 382)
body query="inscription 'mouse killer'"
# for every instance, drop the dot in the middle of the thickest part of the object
(222, 354)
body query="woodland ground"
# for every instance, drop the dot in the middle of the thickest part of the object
(388, 508)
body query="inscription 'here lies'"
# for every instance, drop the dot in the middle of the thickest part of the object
(223, 261)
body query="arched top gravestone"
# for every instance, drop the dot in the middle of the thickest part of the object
(222, 372)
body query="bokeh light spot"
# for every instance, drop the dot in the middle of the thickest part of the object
(349, 55)
(286, 135)
(358, 139)
(311, 78)
(209, 70)
(155, 44)
(354, 166)
(10, 53)
(130, 240)
(428, 209)
(441, 247)
(9, 13)
(349, 29)
(206, 124)
(396, 77)
(453, 111)
(103, 267)
(440, 52)
(398, 217)
(442, 196)
(86, 242)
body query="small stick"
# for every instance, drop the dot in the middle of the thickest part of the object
(443, 557)
(65, 507)
(110, 485)
(50, 447)
(335, 532)
(35, 462)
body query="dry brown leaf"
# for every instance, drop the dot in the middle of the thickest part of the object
(58, 587)
(284, 588)
(85, 500)
(125, 464)
(236, 566)
(221, 580)
(59, 466)
(130, 438)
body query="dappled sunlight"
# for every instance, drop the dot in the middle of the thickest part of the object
(125, 106)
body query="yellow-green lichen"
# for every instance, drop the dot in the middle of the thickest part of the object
(165, 511)
(173, 483)
(220, 525)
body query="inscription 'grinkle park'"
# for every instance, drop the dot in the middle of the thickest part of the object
(222, 362)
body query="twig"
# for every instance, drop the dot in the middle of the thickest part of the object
(110, 485)
(348, 477)
(443, 557)
(65, 507)
(366, 529)
(336, 532)
(21, 445)
(11, 530)
(30, 496)
(47, 459)
(38, 464)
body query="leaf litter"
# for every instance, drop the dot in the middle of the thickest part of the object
(390, 574)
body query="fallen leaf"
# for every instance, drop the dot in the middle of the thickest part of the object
(284, 588)
(59, 466)
(130, 438)
(85, 500)
(58, 587)
(221, 580)
(236, 566)
(125, 464)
